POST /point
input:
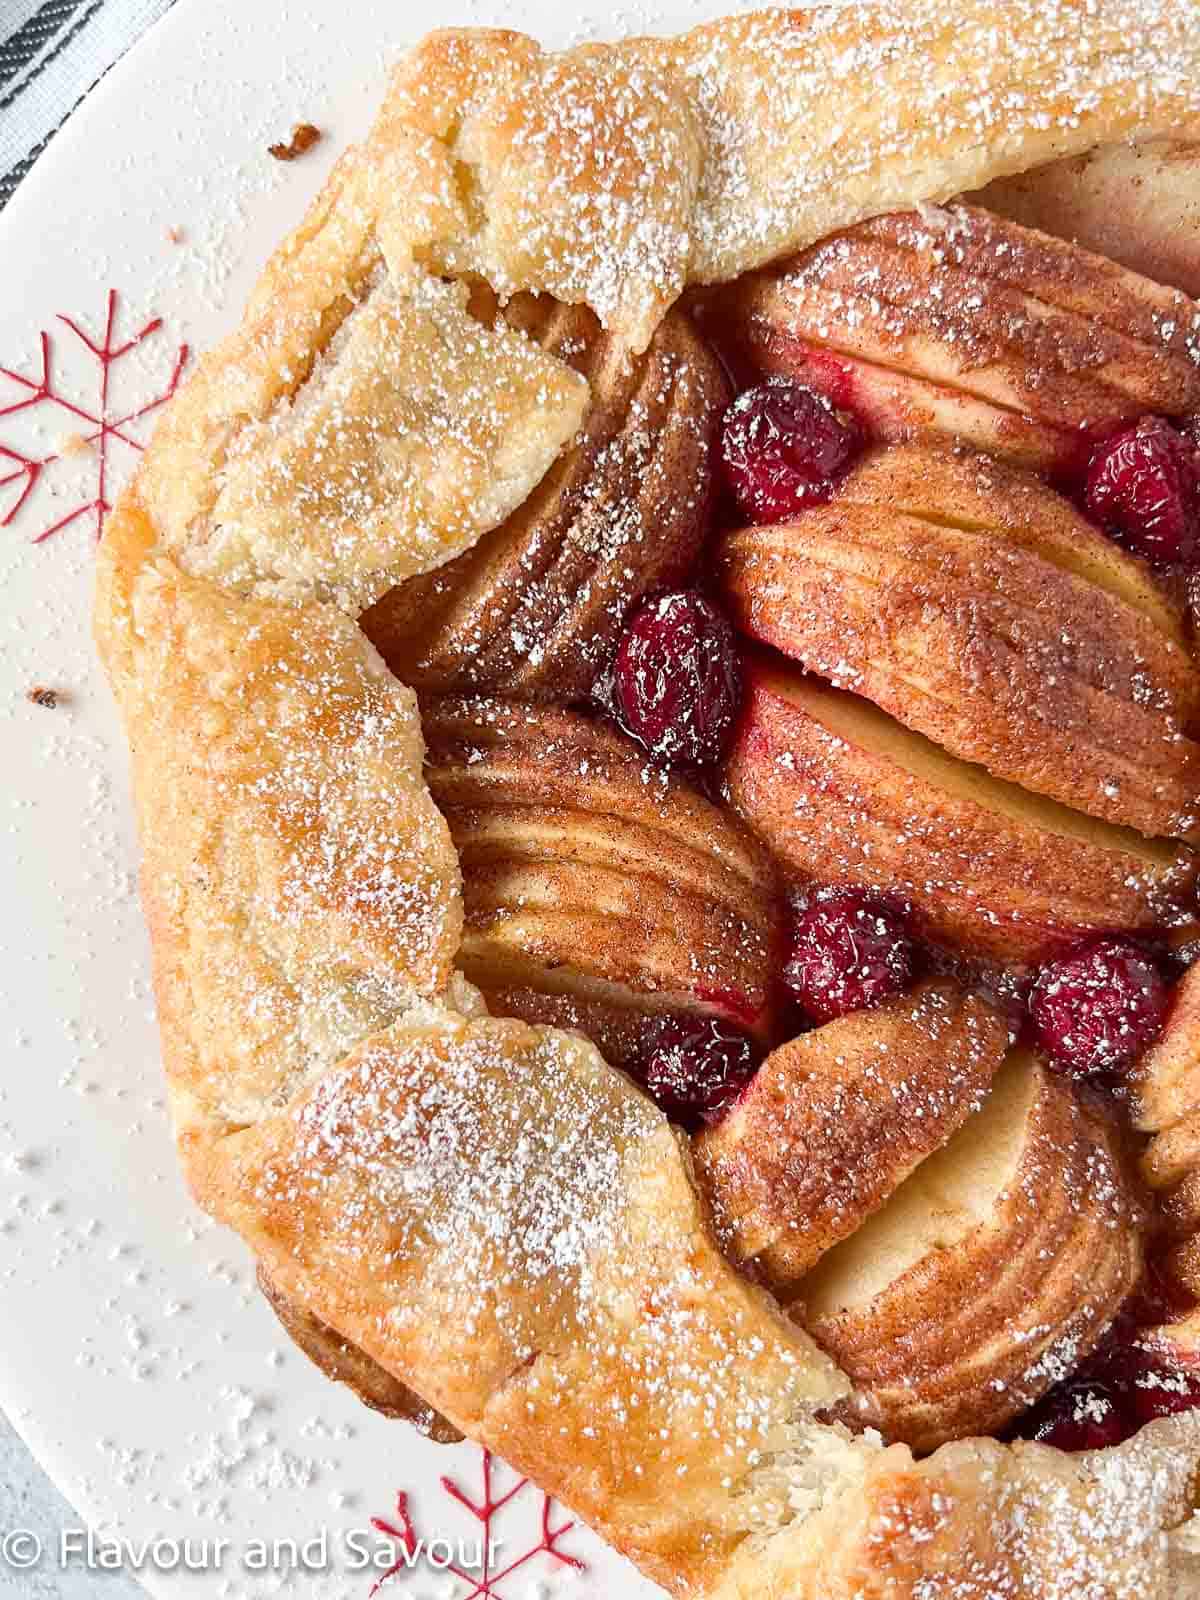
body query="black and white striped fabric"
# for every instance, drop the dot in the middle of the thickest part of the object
(51, 53)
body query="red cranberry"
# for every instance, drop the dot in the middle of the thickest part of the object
(678, 678)
(1099, 1008)
(1121, 1386)
(848, 951)
(695, 1067)
(785, 447)
(1143, 486)
(1162, 1390)
(1080, 1414)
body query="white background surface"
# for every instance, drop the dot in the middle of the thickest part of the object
(135, 1355)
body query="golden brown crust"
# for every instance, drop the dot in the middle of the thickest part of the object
(834, 1121)
(708, 155)
(299, 884)
(981, 1521)
(345, 1363)
(535, 609)
(361, 425)
(487, 1210)
(977, 606)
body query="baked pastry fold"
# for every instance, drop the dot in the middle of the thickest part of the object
(300, 886)
(745, 139)
(491, 1211)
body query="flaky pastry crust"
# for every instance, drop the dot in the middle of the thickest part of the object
(486, 1209)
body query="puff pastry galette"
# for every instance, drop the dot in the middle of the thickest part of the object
(660, 662)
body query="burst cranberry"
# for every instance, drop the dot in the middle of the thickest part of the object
(1162, 1390)
(1099, 1008)
(785, 447)
(678, 678)
(1080, 1414)
(1122, 1385)
(848, 951)
(1143, 486)
(695, 1067)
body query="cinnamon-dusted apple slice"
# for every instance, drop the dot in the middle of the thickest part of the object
(976, 605)
(990, 1272)
(956, 320)
(1136, 204)
(592, 877)
(535, 608)
(1166, 1079)
(835, 1120)
(842, 792)
(1165, 1102)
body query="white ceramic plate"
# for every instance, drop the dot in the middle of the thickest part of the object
(135, 1355)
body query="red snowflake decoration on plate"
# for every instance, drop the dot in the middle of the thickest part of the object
(98, 429)
(485, 1582)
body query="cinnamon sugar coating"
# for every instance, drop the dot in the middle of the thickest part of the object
(1136, 204)
(837, 1118)
(843, 793)
(979, 608)
(1007, 1256)
(589, 871)
(953, 322)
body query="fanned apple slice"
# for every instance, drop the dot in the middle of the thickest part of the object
(977, 606)
(1042, 338)
(1166, 1079)
(1136, 204)
(835, 1120)
(536, 607)
(989, 1273)
(1165, 1082)
(841, 792)
(593, 880)
(893, 406)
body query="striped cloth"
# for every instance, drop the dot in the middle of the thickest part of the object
(51, 53)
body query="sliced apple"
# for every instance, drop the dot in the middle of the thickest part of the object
(592, 877)
(535, 608)
(1042, 338)
(834, 1121)
(1136, 204)
(892, 405)
(1165, 1102)
(1166, 1079)
(841, 792)
(990, 1272)
(976, 605)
